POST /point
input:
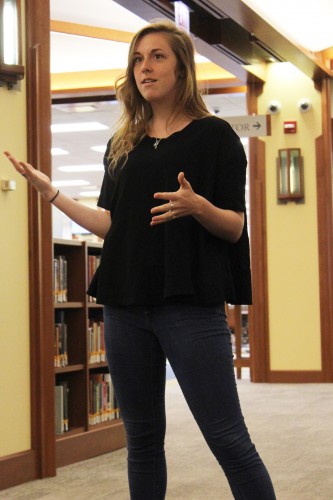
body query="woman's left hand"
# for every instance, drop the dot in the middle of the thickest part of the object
(223, 223)
(180, 203)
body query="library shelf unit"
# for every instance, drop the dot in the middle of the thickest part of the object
(74, 309)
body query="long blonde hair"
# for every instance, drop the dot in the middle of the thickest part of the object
(136, 111)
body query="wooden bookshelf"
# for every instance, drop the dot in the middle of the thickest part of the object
(82, 440)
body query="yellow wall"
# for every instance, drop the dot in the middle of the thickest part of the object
(293, 275)
(14, 303)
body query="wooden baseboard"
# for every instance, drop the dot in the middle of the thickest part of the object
(90, 444)
(295, 377)
(18, 469)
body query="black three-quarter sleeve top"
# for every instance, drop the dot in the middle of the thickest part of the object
(179, 260)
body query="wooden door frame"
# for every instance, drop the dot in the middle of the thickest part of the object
(39, 460)
(40, 235)
(258, 312)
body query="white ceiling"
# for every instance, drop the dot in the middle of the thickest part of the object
(309, 24)
(71, 53)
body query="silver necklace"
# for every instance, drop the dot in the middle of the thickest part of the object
(157, 141)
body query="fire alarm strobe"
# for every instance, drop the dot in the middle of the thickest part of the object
(290, 127)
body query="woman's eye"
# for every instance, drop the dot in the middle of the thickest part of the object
(158, 56)
(137, 59)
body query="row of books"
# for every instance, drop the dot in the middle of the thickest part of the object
(60, 345)
(96, 345)
(93, 263)
(60, 279)
(61, 407)
(102, 401)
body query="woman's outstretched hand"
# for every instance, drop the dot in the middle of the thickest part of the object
(36, 178)
(180, 203)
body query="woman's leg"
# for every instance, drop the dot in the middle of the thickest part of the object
(196, 340)
(137, 366)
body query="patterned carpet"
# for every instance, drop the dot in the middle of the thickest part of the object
(291, 425)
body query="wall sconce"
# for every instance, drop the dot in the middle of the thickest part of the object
(11, 69)
(290, 181)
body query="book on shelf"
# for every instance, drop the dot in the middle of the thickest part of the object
(102, 402)
(60, 279)
(93, 263)
(60, 345)
(61, 407)
(96, 346)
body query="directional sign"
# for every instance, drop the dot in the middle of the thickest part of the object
(250, 126)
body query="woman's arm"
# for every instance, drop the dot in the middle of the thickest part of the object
(95, 221)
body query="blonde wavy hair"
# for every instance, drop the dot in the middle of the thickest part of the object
(136, 111)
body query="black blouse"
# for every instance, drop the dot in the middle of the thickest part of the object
(179, 260)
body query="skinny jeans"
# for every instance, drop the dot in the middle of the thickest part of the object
(196, 340)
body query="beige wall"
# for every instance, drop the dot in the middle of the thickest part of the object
(14, 303)
(293, 275)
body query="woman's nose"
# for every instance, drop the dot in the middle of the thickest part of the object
(145, 66)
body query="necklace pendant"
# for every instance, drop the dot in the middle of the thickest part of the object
(156, 143)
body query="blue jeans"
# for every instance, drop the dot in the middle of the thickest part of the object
(196, 341)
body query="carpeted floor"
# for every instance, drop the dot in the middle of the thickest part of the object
(291, 425)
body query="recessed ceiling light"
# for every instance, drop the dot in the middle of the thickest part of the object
(59, 152)
(90, 194)
(99, 149)
(77, 127)
(82, 168)
(70, 183)
(76, 108)
(83, 109)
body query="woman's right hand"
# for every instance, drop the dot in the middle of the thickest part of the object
(36, 178)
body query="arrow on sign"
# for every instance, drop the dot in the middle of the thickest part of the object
(250, 125)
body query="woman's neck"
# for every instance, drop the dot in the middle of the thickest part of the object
(163, 125)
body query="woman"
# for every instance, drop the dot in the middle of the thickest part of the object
(175, 252)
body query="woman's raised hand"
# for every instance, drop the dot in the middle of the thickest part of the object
(37, 179)
(180, 203)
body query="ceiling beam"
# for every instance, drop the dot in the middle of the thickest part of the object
(210, 26)
(264, 32)
(91, 31)
(155, 9)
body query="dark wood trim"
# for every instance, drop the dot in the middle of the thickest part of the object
(90, 444)
(40, 237)
(17, 469)
(324, 151)
(258, 313)
(295, 377)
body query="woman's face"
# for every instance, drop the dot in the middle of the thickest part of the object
(155, 68)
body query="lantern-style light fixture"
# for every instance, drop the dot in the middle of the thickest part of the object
(290, 181)
(11, 69)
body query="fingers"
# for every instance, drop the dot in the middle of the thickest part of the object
(166, 207)
(162, 219)
(21, 167)
(175, 198)
(166, 211)
(184, 184)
